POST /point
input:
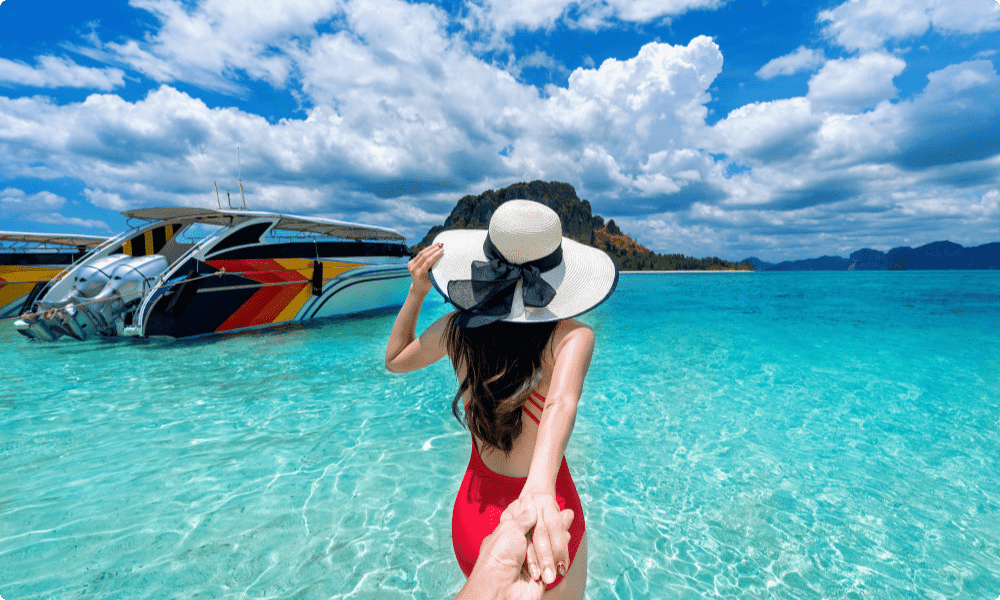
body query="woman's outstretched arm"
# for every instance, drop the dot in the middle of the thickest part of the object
(573, 352)
(406, 352)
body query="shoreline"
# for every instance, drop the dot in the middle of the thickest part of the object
(697, 271)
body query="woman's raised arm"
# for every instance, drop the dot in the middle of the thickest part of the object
(573, 351)
(406, 352)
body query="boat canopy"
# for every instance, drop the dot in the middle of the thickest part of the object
(53, 239)
(314, 225)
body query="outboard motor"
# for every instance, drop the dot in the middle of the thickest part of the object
(49, 323)
(90, 279)
(101, 294)
(129, 282)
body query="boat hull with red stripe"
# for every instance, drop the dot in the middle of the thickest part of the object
(252, 270)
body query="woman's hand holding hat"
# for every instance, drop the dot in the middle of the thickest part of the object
(404, 351)
(420, 267)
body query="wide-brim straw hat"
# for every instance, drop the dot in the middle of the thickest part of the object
(524, 231)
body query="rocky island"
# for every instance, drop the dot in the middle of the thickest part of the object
(579, 224)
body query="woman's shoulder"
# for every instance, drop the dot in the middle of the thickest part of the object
(572, 330)
(568, 325)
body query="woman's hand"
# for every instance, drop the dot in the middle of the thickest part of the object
(420, 267)
(498, 574)
(548, 554)
(404, 351)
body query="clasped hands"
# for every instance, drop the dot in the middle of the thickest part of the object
(533, 532)
(548, 553)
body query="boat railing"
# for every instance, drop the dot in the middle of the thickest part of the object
(22, 246)
(14, 246)
(300, 236)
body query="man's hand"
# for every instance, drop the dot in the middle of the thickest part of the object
(499, 572)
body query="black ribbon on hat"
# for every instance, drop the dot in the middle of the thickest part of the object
(489, 295)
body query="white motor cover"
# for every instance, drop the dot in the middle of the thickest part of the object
(91, 278)
(131, 277)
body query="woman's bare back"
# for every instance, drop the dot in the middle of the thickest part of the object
(517, 463)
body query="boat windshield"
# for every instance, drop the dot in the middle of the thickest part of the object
(197, 232)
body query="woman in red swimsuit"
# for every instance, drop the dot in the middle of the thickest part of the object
(521, 359)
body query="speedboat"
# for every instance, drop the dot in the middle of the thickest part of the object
(181, 272)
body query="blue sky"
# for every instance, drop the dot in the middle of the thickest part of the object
(774, 129)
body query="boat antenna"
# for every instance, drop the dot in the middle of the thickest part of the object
(240, 175)
(217, 199)
(229, 200)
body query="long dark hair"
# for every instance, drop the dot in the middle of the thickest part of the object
(502, 361)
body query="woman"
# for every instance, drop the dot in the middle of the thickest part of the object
(521, 360)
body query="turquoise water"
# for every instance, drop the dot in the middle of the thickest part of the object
(771, 435)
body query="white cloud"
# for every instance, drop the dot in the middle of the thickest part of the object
(803, 59)
(507, 15)
(606, 124)
(766, 132)
(151, 151)
(58, 219)
(397, 96)
(537, 60)
(55, 72)
(989, 204)
(286, 198)
(41, 207)
(868, 24)
(953, 121)
(666, 232)
(423, 105)
(15, 201)
(106, 200)
(844, 140)
(399, 106)
(207, 42)
(832, 182)
(854, 84)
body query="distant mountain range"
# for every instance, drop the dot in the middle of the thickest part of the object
(936, 255)
(579, 224)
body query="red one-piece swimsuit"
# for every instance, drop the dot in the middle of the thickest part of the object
(485, 494)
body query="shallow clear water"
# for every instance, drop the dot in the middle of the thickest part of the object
(785, 435)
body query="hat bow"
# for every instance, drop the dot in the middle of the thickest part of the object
(489, 295)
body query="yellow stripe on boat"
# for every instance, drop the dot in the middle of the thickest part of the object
(148, 242)
(11, 277)
(304, 267)
(335, 269)
(301, 265)
(289, 312)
